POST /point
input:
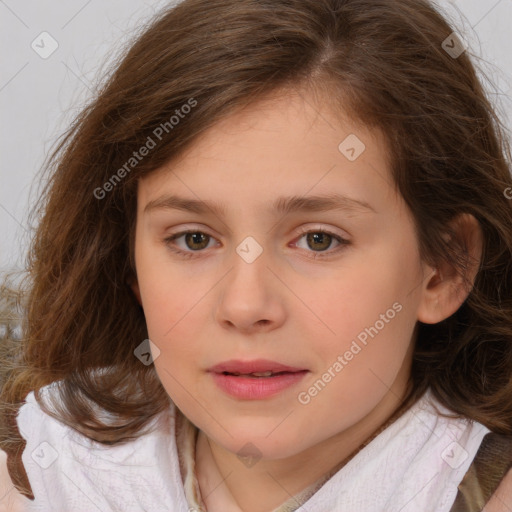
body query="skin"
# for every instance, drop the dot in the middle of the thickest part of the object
(286, 305)
(10, 499)
(501, 499)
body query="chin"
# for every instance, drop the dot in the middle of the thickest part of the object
(257, 443)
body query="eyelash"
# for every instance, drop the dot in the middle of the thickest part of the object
(318, 254)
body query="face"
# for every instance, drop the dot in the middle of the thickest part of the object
(329, 292)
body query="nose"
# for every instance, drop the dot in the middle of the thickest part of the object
(251, 298)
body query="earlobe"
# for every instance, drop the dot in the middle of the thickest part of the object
(445, 289)
(134, 285)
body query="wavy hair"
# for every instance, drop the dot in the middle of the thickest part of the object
(383, 62)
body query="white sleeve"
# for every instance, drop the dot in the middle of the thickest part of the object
(70, 472)
(53, 465)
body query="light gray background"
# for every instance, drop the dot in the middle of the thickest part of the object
(39, 97)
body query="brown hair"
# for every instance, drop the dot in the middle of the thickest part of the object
(383, 62)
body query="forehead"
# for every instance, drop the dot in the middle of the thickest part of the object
(295, 121)
(286, 145)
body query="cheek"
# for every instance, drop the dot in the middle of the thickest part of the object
(174, 309)
(166, 295)
(367, 315)
(360, 362)
(354, 299)
(171, 317)
(171, 314)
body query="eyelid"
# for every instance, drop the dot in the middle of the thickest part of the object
(303, 230)
(314, 227)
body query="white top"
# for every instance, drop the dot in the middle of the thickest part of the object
(415, 465)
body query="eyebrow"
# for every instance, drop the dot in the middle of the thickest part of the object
(281, 206)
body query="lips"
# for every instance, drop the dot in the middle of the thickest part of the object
(257, 368)
(255, 380)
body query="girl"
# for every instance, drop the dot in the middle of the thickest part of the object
(272, 273)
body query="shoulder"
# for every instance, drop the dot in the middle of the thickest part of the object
(34, 423)
(497, 449)
(44, 431)
(46, 437)
(502, 498)
(58, 458)
(488, 482)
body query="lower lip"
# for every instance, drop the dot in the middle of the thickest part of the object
(256, 388)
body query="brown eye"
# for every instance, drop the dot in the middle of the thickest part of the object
(195, 242)
(196, 239)
(319, 240)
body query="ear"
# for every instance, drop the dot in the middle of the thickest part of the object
(134, 285)
(446, 290)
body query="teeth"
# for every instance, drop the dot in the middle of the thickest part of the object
(255, 374)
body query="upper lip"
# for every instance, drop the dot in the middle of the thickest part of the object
(254, 366)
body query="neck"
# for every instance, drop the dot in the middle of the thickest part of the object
(228, 486)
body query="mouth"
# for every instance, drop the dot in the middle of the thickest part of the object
(255, 368)
(255, 380)
(256, 375)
